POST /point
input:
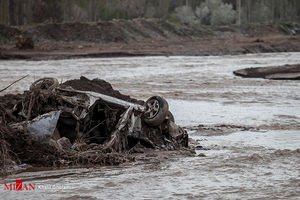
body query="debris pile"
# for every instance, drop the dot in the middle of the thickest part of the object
(82, 122)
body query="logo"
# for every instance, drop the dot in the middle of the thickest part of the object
(19, 186)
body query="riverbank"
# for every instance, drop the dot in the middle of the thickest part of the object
(144, 37)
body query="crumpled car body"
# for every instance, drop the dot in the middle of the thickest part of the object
(115, 124)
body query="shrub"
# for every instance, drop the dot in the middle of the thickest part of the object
(222, 15)
(185, 14)
(215, 12)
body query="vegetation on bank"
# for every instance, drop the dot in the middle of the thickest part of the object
(126, 31)
(205, 12)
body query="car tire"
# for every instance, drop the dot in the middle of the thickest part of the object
(44, 84)
(156, 111)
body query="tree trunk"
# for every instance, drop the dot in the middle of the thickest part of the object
(238, 8)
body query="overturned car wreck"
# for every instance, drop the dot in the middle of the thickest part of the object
(83, 115)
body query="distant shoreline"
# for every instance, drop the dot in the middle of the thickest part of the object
(144, 37)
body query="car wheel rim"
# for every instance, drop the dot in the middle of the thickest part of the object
(153, 108)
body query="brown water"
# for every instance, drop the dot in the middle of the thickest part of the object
(258, 162)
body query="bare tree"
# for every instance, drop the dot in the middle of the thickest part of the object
(238, 8)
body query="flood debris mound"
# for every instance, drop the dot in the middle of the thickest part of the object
(82, 122)
(286, 72)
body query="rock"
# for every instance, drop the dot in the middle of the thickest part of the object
(201, 155)
(64, 143)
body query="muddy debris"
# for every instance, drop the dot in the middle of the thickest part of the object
(82, 123)
(286, 72)
(24, 42)
(99, 86)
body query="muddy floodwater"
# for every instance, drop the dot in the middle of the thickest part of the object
(248, 139)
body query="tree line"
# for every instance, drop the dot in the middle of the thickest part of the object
(207, 12)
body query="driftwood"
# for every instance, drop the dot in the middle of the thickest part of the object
(13, 83)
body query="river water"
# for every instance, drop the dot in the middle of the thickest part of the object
(256, 155)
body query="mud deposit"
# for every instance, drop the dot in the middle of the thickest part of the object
(142, 37)
(246, 131)
(287, 72)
